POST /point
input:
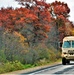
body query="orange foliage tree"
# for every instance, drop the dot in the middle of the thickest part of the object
(34, 19)
(31, 21)
(61, 12)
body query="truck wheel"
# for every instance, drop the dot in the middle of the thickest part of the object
(63, 61)
(68, 61)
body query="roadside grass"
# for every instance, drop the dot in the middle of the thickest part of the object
(13, 66)
(46, 57)
(16, 65)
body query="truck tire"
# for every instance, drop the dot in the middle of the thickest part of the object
(68, 61)
(63, 61)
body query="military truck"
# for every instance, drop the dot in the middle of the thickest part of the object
(67, 50)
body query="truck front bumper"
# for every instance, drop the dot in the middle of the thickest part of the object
(68, 56)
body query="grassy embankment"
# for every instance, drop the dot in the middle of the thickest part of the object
(16, 65)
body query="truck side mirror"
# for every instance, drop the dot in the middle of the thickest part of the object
(60, 44)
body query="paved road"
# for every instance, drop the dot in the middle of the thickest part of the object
(57, 69)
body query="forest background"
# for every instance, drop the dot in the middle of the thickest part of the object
(31, 35)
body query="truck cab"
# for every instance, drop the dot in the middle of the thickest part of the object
(67, 50)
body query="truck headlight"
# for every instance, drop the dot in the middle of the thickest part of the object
(64, 53)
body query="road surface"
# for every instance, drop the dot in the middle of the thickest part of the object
(57, 69)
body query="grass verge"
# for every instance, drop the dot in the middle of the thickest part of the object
(14, 66)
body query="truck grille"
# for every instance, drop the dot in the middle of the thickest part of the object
(71, 52)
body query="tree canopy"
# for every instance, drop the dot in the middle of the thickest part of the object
(34, 20)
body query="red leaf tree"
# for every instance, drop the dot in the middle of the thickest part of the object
(31, 21)
(61, 12)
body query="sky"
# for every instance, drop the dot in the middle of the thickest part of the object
(13, 3)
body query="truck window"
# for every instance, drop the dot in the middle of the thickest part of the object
(67, 44)
(73, 44)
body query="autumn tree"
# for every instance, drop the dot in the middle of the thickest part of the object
(60, 12)
(32, 21)
(41, 25)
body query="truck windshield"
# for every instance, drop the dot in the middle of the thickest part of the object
(67, 44)
(73, 44)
